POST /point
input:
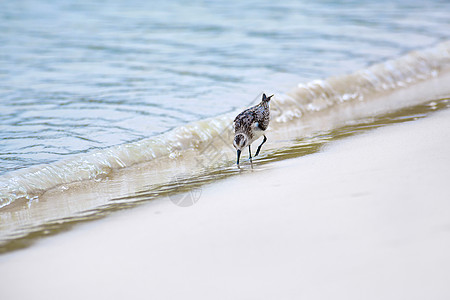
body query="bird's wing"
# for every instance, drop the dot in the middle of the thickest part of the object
(244, 120)
(262, 125)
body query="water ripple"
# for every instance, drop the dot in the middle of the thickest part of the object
(86, 75)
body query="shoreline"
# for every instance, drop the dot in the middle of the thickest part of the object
(365, 218)
(318, 105)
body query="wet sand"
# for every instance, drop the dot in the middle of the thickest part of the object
(366, 218)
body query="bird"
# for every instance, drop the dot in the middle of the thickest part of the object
(249, 125)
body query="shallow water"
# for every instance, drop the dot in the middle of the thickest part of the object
(83, 75)
(85, 85)
(57, 211)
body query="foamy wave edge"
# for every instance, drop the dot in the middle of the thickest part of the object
(308, 99)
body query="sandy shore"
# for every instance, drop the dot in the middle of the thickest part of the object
(366, 218)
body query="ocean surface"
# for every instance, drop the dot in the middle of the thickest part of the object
(91, 89)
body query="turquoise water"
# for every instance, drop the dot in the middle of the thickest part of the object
(82, 75)
(106, 105)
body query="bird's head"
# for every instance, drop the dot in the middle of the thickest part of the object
(240, 141)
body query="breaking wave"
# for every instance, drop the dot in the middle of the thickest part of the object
(409, 80)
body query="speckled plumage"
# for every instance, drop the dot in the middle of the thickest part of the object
(250, 124)
(256, 116)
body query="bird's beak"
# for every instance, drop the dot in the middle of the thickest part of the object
(270, 97)
(238, 155)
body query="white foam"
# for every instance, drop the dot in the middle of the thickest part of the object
(317, 105)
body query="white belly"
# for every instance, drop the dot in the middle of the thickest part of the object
(257, 133)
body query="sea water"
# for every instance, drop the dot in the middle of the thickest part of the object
(116, 97)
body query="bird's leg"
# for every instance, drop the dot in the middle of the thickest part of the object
(259, 147)
(249, 153)
(238, 155)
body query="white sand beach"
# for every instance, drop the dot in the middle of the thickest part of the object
(366, 218)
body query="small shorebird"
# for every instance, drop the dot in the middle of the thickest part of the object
(249, 125)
